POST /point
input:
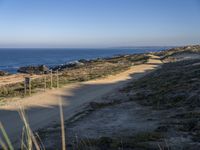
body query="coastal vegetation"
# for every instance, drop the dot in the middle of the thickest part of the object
(77, 72)
(174, 85)
(158, 111)
(166, 100)
(180, 53)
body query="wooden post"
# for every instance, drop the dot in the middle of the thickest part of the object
(30, 86)
(25, 87)
(45, 82)
(27, 84)
(57, 79)
(51, 79)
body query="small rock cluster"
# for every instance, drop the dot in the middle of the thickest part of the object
(70, 65)
(34, 69)
(3, 73)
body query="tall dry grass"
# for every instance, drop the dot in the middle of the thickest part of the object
(30, 140)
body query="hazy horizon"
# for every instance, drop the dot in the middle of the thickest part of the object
(100, 48)
(98, 24)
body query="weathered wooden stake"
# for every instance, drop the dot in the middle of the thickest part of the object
(27, 84)
(51, 79)
(30, 86)
(25, 87)
(57, 79)
(45, 82)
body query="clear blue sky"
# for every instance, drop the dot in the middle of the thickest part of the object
(98, 23)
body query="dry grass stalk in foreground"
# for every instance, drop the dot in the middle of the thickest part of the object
(8, 144)
(62, 126)
(29, 141)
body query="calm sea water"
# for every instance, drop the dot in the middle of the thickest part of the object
(12, 59)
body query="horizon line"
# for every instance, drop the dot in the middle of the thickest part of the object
(95, 47)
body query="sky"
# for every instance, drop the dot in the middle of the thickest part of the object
(98, 23)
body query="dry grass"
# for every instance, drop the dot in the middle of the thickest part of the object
(91, 70)
(166, 87)
(30, 140)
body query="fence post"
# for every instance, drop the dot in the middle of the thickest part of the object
(57, 79)
(45, 82)
(25, 87)
(27, 83)
(30, 87)
(51, 79)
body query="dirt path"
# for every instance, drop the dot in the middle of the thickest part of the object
(42, 109)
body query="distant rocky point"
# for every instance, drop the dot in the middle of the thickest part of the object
(41, 69)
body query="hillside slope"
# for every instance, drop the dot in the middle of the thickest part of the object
(180, 53)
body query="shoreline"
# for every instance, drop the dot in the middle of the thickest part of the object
(101, 54)
(84, 70)
(106, 66)
(81, 70)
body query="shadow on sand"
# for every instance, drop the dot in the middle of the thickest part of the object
(44, 116)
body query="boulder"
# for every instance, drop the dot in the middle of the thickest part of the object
(3, 73)
(83, 61)
(69, 65)
(34, 69)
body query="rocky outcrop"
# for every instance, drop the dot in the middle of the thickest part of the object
(34, 69)
(70, 65)
(3, 73)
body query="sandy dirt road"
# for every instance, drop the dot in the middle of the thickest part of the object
(42, 109)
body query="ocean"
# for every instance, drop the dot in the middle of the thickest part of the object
(12, 59)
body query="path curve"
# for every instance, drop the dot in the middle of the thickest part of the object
(42, 109)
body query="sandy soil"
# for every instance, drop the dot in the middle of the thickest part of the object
(121, 120)
(42, 109)
(125, 119)
(15, 78)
